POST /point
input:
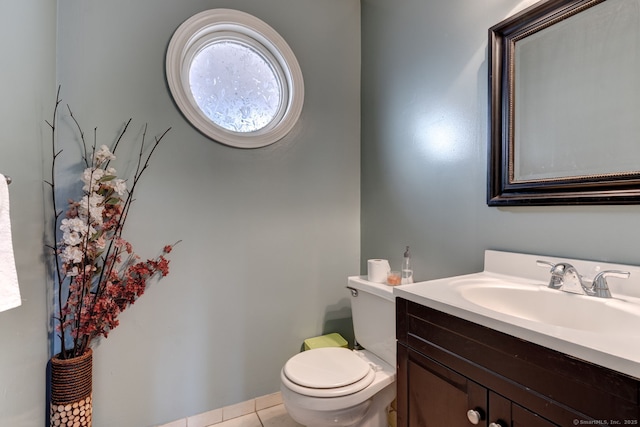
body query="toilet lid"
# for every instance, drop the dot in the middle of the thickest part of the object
(326, 368)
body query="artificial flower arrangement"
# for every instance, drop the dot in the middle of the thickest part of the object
(97, 273)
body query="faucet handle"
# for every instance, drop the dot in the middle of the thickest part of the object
(541, 263)
(600, 287)
(558, 268)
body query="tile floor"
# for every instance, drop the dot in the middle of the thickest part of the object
(265, 411)
(275, 416)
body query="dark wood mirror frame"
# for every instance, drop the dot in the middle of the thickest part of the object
(503, 189)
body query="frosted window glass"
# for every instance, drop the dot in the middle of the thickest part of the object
(235, 86)
(234, 78)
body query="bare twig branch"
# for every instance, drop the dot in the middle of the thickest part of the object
(59, 277)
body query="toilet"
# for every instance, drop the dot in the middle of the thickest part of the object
(335, 386)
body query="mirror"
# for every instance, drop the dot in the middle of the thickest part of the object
(564, 104)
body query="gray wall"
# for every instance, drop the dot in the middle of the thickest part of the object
(424, 149)
(268, 236)
(27, 43)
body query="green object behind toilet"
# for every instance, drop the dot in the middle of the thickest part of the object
(329, 340)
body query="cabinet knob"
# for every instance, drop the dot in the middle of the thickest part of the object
(495, 425)
(474, 416)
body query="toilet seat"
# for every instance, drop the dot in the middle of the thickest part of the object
(327, 372)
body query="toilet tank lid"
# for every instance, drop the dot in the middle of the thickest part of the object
(380, 289)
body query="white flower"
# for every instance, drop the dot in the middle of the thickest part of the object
(90, 177)
(72, 238)
(91, 206)
(116, 184)
(119, 186)
(73, 224)
(103, 154)
(69, 226)
(73, 272)
(71, 254)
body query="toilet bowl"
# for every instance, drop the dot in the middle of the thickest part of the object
(335, 386)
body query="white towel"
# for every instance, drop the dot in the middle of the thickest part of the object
(9, 290)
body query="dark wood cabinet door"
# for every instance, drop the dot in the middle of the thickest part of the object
(524, 418)
(437, 396)
(499, 410)
(504, 413)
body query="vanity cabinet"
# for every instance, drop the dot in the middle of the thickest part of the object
(439, 396)
(448, 366)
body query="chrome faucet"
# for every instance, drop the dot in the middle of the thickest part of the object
(565, 277)
(557, 272)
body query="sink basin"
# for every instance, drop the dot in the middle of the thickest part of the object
(538, 303)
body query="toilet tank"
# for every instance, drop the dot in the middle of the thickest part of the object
(374, 317)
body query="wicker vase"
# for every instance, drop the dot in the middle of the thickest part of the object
(71, 389)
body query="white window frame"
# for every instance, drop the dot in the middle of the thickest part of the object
(210, 26)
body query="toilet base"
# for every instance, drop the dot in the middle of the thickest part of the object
(373, 412)
(378, 415)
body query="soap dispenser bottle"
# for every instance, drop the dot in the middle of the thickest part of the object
(407, 272)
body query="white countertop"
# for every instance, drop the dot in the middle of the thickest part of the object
(603, 344)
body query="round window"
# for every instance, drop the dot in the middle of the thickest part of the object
(234, 78)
